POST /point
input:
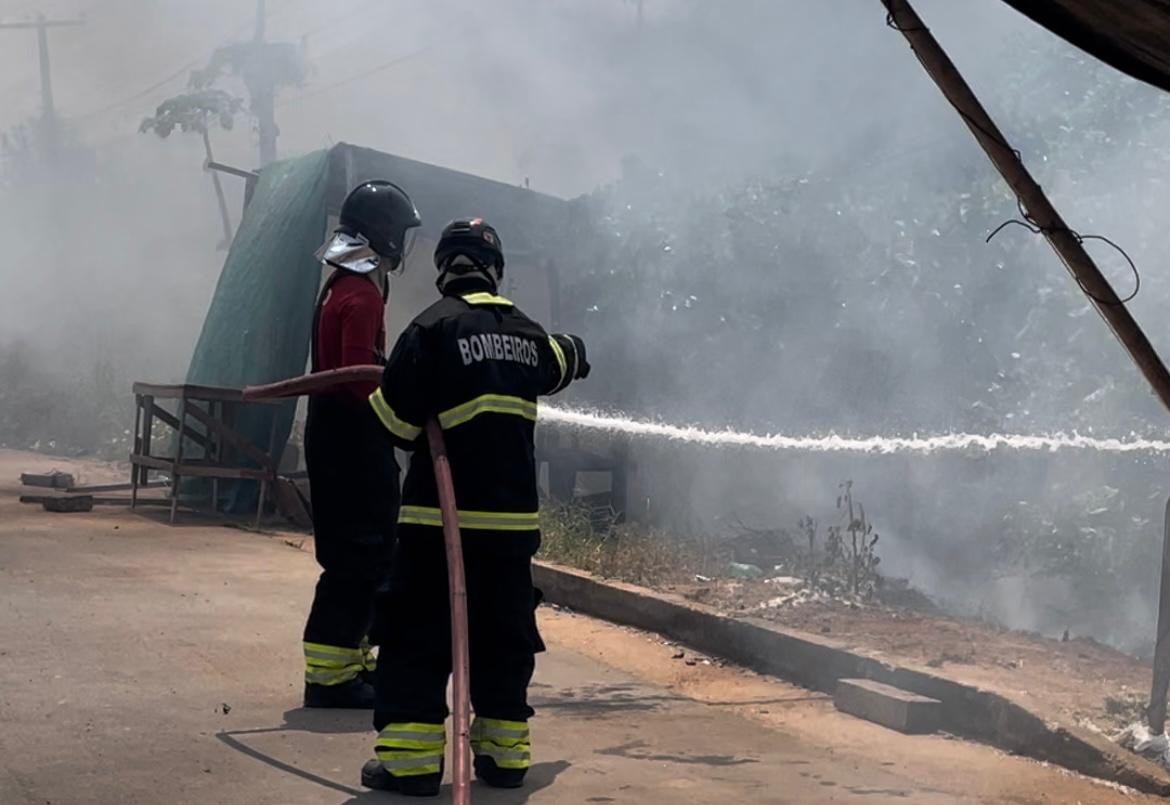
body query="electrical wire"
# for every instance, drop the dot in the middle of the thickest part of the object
(237, 32)
(349, 80)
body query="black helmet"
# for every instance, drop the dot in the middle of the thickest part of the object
(474, 238)
(382, 213)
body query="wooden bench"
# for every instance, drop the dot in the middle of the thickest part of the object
(203, 417)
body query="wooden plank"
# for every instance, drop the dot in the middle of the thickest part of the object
(97, 501)
(125, 486)
(231, 437)
(53, 480)
(147, 434)
(173, 421)
(198, 470)
(151, 462)
(237, 473)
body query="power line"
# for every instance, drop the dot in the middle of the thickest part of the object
(359, 76)
(236, 33)
(140, 94)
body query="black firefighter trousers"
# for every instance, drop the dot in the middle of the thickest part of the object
(354, 489)
(416, 649)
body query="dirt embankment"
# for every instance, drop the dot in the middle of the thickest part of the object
(1077, 680)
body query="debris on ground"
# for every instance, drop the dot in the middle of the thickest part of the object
(739, 570)
(1138, 739)
(71, 503)
(53, 480)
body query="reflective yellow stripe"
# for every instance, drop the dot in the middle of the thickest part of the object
(487, 404)
(331, 665)
(330, 678)
(410, 765)
(399, 427)
(411, 749)
(484, 521)
(506, 742)
(484, 298)
(495, 728)
(560, 354)
(339, 653)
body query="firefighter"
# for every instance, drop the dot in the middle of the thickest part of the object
(353, 474)
(476, 364)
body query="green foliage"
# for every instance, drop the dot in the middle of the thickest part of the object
(194, 112)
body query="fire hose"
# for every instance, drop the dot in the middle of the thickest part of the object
(322, 382)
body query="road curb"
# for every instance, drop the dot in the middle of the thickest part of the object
(817, 663)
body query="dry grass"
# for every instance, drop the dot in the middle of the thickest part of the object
(628, 552)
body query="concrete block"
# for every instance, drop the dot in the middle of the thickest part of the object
(889, 706)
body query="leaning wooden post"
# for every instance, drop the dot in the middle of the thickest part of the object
(1068, 247)
(1156, 712)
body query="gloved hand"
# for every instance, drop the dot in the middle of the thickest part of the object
(583, 366)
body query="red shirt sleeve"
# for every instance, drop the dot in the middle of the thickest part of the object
(361, 335)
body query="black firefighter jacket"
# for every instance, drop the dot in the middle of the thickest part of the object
(477, 364)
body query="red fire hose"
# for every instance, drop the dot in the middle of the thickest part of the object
(456, 583)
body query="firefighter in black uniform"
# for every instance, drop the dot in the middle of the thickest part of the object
(476, 364)
(353, 474)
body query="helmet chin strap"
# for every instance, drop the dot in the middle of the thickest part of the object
(461, 267)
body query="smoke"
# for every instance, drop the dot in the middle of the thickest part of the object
(782, 232)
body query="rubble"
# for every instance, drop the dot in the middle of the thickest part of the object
(1138, 739)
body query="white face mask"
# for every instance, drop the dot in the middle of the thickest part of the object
(351, 252)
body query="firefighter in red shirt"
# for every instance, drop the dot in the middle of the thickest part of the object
(353, 475)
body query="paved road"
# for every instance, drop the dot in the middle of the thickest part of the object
(146, 664)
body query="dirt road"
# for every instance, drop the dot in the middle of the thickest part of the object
(144, 664)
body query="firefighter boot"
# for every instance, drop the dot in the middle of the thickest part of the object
(489, 773)
(375, 776)
(356, 694)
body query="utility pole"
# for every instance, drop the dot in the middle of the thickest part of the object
(264, 92)
(48, 111)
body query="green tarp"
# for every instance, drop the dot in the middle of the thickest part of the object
(257, 327)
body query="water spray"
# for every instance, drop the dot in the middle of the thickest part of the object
(627, 426)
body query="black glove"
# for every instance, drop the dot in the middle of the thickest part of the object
(583, 366)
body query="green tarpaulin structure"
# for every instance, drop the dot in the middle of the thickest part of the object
(257, 329)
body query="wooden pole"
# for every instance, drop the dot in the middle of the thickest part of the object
(224, 217)
(1068, 247)
(1156, 712)
(1006, 160)
(48, 111)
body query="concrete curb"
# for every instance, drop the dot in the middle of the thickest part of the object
(818, 663)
